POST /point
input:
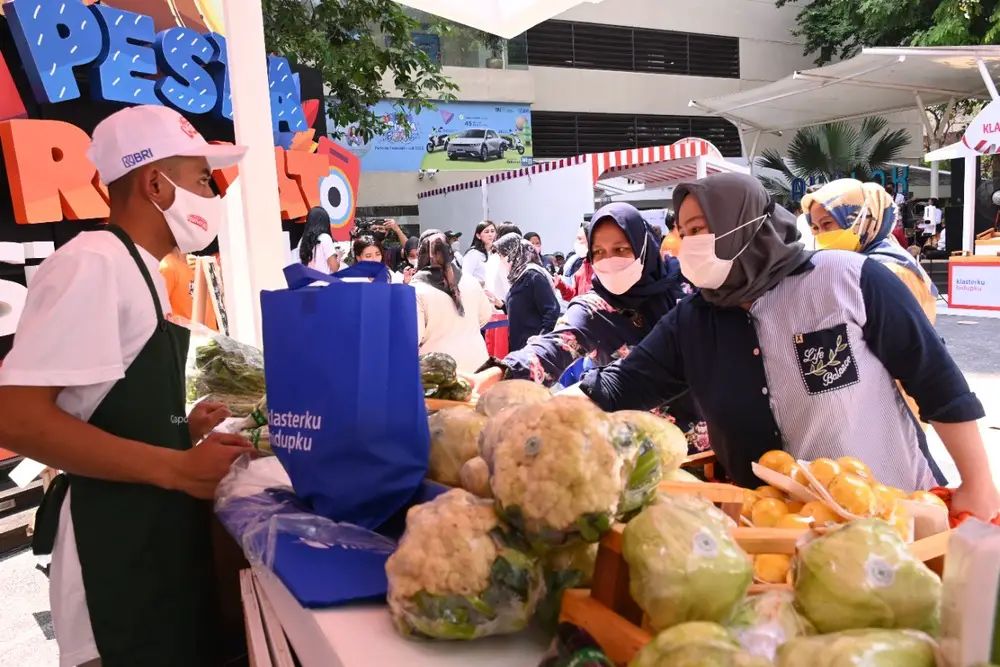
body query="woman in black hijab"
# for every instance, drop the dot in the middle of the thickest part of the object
(784, 349)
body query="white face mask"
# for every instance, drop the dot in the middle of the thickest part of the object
(413, 262)
(619, 274)
(454, 246)
(580, 248)
(193, 220)
(701, 265)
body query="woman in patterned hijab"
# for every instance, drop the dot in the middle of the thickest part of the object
(847, 214)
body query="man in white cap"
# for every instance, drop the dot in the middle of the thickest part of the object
(94, 386)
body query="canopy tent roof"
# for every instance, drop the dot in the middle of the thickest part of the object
(506, 18)
(878, 81)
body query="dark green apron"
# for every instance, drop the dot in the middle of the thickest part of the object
(145, 552)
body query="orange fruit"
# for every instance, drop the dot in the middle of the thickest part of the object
(749, 498)
(853, 493)
(854, 465)
(795, 472)
(885, 500)
(794, 506)
(796, 521)
(820, 513)
(769, 492)
(767, 511)
(824, 470)
(928, 498)
(778, 461)
(772, 568)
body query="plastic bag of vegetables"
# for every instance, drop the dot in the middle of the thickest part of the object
(764, 622)
(632, 435)
(456, 576)
(861, 648)
(862, 575)
(566, 567)
(695, 644)
(557, 477)
(224, 370)
(683, 563)
(511, 393)
(454, 440)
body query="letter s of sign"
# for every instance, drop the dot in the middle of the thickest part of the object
(12, 294)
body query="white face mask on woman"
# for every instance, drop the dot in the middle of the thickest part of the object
(413, 261)
(193, 220)
(701, 265)
(619, 274)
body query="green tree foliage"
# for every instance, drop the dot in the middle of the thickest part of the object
(359, 46)
(835, 150)
(840, 28)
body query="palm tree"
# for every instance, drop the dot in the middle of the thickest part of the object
(834, 150)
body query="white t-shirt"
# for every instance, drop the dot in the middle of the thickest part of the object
(474, 264)
(87, 316)
(441, 329)
(496, 278)
(324, 250)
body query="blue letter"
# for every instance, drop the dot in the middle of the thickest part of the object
(219, 68)
(286, 107)
(53, 37)
(183, 55)
(128, 38)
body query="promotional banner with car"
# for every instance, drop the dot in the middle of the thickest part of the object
(457, 137)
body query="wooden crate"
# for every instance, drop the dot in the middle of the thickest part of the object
(608, 612)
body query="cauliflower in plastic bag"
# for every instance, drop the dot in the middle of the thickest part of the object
(455, 576)
(695, 644)
(454, 440)
(557, 476)
(862, 575)
(511, 393)
(860, 648)
(764, 622)
(634, 434)
(669, 440)
(475, 477)
(566, 567)
(683, 562)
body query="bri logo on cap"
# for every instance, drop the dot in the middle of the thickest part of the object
(132, 159)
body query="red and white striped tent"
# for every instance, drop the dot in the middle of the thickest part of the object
(547, 195)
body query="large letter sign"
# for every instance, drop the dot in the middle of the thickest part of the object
(54, 36)
(127, 51)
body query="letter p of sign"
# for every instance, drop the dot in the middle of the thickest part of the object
(53, 37)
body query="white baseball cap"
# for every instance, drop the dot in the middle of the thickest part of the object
(135, 136)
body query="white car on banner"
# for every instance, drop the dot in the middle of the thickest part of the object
(479, 143)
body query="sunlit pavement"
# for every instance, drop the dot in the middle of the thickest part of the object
(25, 624)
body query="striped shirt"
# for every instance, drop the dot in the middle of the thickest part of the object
(808, 369)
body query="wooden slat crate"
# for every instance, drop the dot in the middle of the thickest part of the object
(608, 612)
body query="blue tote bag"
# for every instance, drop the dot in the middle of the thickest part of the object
(346, 406)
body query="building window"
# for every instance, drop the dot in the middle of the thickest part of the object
(558, 134)
(621, 48)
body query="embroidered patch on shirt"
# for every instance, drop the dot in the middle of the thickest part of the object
(825, 360)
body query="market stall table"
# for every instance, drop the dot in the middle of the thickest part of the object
(363, 635)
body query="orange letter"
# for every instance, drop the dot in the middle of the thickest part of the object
(292, 204)
(49, 174)
(308, 169)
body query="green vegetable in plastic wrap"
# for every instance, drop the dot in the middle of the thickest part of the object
(459, 390)
(764, 622)
(863, 575)
(437, 368)
(695, 644)
(632, 435)
(456, 575)
(565, 567)
(860, 648)
(228, 371)
(683, 562)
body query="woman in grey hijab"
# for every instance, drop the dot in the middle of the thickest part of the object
(799, 351)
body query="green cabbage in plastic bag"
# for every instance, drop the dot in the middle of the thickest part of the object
(683, 562)
(860, 648)
(635, 433)
(864, 576)
(566, 567)
(695, 644)
(764, 622)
